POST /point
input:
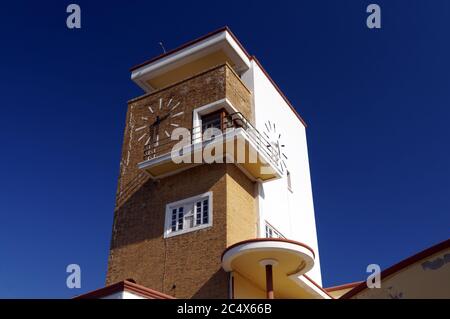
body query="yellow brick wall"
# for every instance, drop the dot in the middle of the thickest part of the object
(176, 265)
(241, 207)
(238, 94)
(188, 265)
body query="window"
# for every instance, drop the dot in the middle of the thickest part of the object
(271, 232)
(289, 182)
(188, 215)
(212, 120)
(216, 120)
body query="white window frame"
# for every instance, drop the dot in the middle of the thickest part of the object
(186, 203)
(268, 226)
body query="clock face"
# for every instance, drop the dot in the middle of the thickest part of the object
(156, 126)
(275, 144)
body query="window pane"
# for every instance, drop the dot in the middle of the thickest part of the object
(211, 121)
(174, 220)
(205, 212)
(180, 218)
(198, 216)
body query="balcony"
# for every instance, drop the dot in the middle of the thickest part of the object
(236, 141)
(270, 268)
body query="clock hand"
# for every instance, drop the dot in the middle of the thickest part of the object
(160, 119)
(157, 121)
(164, 117)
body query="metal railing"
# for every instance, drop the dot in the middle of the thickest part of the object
(230, 123)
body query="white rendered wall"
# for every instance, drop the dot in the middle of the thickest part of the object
(291, 213)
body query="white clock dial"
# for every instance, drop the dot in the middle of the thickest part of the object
(155, 128)
(275, 144)
(162, 112)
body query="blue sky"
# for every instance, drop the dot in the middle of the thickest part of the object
(376, 102)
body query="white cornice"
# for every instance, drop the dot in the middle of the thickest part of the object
(220, 41)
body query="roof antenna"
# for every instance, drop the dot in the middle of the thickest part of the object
(162, 46)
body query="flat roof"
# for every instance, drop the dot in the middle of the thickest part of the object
(139, 70)
(190, 43)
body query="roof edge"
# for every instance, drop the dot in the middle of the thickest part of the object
(121, 286)
(250, 57)
(192, 42)
(279, 90)
(318, 286)
(401, 265)
(343, 286)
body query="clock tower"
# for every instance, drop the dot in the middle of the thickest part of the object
(214, 195)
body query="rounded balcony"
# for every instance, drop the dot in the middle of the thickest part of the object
(271, 264)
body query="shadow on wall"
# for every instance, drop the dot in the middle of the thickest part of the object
(210, 290)
(177, 266)
(135, 220)
(142, 216)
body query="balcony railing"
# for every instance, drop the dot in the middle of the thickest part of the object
(229, 124)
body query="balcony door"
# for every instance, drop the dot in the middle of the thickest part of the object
(215, 120)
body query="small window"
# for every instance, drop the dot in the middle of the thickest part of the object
(271, 232)
(212, 121)
(215, 120)
(188, 215)
(289, 182)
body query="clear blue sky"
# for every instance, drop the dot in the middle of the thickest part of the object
(377, 104)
